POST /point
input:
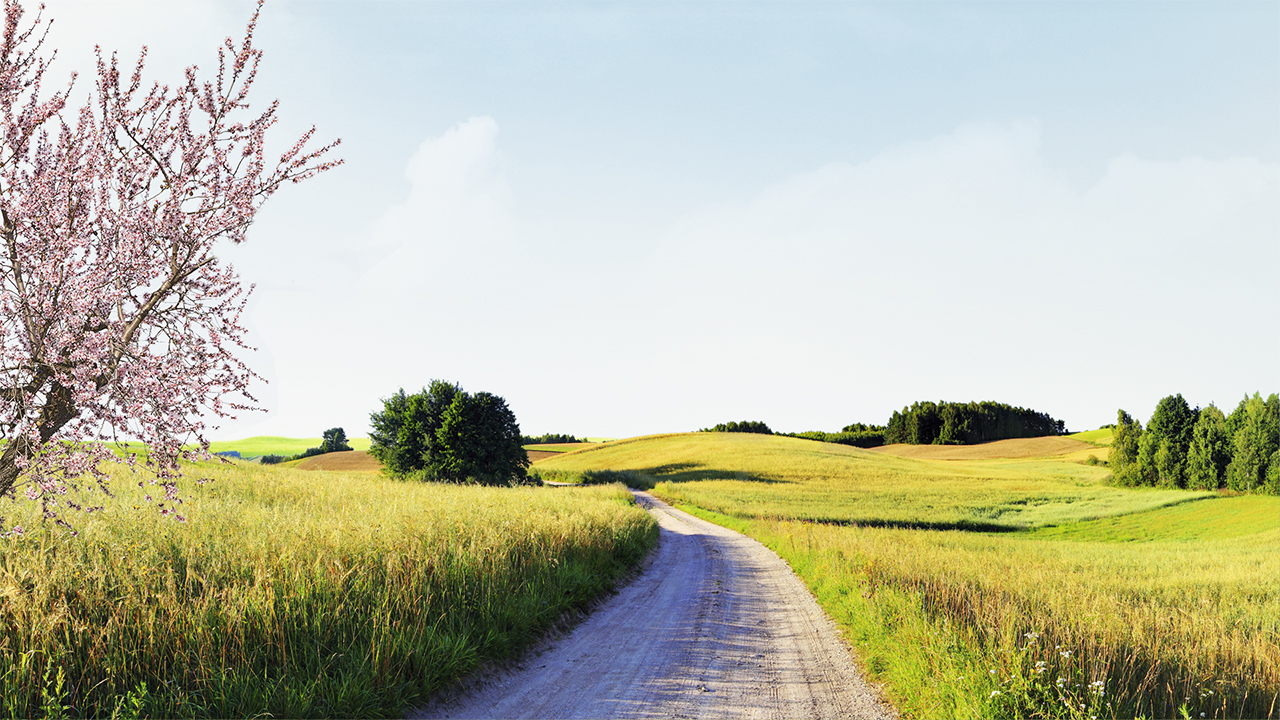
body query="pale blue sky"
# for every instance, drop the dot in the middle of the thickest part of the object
(630, 218)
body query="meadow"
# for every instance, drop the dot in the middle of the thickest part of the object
(990, 587)
(296, 594)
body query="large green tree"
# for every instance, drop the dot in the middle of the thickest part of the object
(1170, 427)
(444, 433)
(479, 441)
(1255, 440)
(403, 435)
(1209, 452)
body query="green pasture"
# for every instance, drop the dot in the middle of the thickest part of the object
(746, 475)
(1217, 518)
(1101, 436)
(272, 445)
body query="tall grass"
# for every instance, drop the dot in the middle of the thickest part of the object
(1091, 601)
(966, 624)
(298, 594)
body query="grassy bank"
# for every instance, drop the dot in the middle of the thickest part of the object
(297, 594)
(1089, 601)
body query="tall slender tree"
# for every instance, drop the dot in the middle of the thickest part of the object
(1209, 452)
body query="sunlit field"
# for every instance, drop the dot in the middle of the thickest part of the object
(1016, 588)
(768, 476)
(271, 445)
(296, 594)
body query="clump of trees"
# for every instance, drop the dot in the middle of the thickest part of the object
(448, 435)
(948, 423)
(857, 435)
(1201, 449)
(746, 426)
(549, 438)
(333, 440)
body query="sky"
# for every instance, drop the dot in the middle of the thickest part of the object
(638, 217)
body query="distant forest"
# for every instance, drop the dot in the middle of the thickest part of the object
(928, 423)
(1201, 449)
(947, 423)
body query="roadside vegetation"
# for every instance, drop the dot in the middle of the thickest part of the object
(986, 587)
(296, 594)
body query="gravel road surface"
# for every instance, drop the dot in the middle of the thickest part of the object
(717, 626)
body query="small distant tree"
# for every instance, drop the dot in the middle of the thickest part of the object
(746, 426)
(335, 440)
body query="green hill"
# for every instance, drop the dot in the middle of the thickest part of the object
(748, 475)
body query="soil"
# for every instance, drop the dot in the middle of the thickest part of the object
(998, 450)
(348, 461)
(716, 625)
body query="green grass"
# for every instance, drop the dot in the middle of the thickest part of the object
(1101, 436)
(1143, 603)
(747, 475)
(271, 445)
(297, 594)
(1207, 520)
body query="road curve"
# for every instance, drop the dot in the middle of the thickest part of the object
(717, 626)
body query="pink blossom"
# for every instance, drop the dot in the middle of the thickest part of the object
(118, 320)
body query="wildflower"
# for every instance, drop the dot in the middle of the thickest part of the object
(1032, 636)
(995, 693)
(1065, 653)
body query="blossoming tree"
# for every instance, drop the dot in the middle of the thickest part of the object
(117, 319)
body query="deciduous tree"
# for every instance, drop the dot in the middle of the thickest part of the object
(117, 318)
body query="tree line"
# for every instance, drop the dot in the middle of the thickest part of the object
(948, 423)
(1200, 449)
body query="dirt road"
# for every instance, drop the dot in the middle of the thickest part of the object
(716, 626)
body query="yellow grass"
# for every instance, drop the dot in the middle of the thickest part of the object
(297, 593)
(769, 476)
(1164, 599)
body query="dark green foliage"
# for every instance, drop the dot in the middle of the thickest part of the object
(335, 440)
(855, 438)
(273, 459)
(1170, 429)
(1238, 451)
(403, 435)
(550, 438)
(746, 426)
(444, 433)
(478, 441)
(1209, 452)
(946, 423)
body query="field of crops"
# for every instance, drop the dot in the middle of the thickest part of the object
(988, 587)
(295, 594)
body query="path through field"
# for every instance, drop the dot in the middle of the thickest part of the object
(716, 626)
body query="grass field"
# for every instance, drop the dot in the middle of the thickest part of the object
(1101, 602)
(295, 594)
(769, 476)
(271, 445)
